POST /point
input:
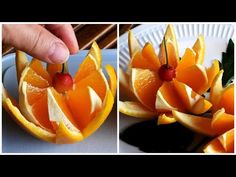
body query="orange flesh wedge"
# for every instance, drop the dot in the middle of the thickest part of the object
(92, 80)
(214, 146)
(37, 66)
(187, 60)
(173, 60)
(61, 101)
(146, 59)
(40, 112)
(194, 76)
(196, 123)
(34, 79)
(86, 67)
(171, 96)
(145, 84)
(80, 104)
(222, 121)
(227, 140)
(227, 99)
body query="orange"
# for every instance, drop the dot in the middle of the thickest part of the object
(227, 99)
(135, 109)
(222, 97)
(196, 123)
(133, 44)
(221, 144)
(62, 118)
(166, 118)
(92, 80)
(21, 62)
(173, 60)
(86, 67)
(167, 98)
(222, 121)
(199, 48)
(170, 36)
(146, 59)
(37, 66)
(194, 76)
(187, 60)
(92, 62)
(84, 104)
(145, 84)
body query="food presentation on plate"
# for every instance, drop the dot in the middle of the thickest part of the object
(174, 90)
(57, 107)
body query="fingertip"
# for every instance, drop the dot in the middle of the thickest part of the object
(58, 53)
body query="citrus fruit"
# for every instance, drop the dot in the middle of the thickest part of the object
(222, 121)
(145, 84)
(166, 118)
(199, 48)
(56, 113)
(135, 109)
(196, 123)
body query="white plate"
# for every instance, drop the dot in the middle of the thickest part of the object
(216, 38)
(16, 140)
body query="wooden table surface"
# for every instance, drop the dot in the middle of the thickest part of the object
(104, 34)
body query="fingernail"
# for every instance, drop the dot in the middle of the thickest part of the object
(58, 53)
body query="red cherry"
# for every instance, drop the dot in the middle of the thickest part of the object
(62, 82)
(167, 73)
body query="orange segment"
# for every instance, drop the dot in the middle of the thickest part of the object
(80, 102)
(86, 67)
(133, 44)
(135, 109)
(125, 91)
(168, 98)
(170, 36)
(145, 84)
(227, 141)
(216, 91)
(212, 72)
(199, 48)
(173, 60)
(54, 68)
(192, 101)
(227, 99)
(27, 125)
(187, 60)
(196, 123)
(40, 112)
(21, 62)
(34, 93)
(166, 118)
(97, 121)
(97, 81)
(214, 146)
(222, 121)
(146, 59)
(61, 103)
(30, 76)
(112, 78)
(96, 53)
(37, 66)
(92, 62)
(194, 76)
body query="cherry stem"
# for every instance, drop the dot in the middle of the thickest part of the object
(166, 51)
(63, 68)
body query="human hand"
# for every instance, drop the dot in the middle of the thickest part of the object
(51, 44)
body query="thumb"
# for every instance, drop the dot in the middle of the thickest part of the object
(36, 41)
